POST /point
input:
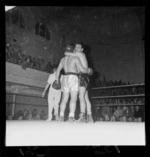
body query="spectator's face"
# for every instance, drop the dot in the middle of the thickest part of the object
(124, 119)
(101, 119)
(130, 119)
(121, 119)
(20, 118)
(137, 107)
(10, 117)
(139, 119)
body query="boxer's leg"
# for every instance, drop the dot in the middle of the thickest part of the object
(82, 91)
(88, 106)
(74, 89)
(72, 104)
(63, 103)
(65, 96)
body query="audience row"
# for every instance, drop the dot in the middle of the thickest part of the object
(14, 55)
(26, 115)
(120, 113)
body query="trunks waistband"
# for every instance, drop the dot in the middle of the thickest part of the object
(71, 73)
(83, 74)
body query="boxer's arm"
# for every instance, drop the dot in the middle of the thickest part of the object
(59, 69)
(84, 60)
(81, 56)
(69, 54)
(80, 66)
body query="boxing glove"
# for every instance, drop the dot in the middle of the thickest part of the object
(56, 85)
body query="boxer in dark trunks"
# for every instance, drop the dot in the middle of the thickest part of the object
(70, 83)
(84, 81)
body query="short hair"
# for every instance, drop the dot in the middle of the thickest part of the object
(69, 48)
(80, 43)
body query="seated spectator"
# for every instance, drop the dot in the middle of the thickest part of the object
(25, 114)
(30, 116)
(134, 119)
(100, 113)
(137, 114)
(20, 118)
(37, 117)
(124, 119)
(42, 115)
(106, 117)
(10, 117)
(130, 119)
(130, 111)
(125, 114)
(121, 118)
(34, 114)
(18, 115)
(110, 111)
(101, 119)
(143, 113)
(105, 113)
(118, 113)
(113, 118)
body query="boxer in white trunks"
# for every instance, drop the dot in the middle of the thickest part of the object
(84, 80)
(70, 82)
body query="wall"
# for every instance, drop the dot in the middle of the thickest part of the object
(15, 74)
(120, 61)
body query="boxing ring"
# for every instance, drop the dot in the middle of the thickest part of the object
(43, 133)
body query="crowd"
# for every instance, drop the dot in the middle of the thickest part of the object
(26, 115)
(119, 101)
(106, 109)
(130, 90)
(14, 55)
(104, 82)
(120, 113)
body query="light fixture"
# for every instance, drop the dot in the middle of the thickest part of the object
(9, 7)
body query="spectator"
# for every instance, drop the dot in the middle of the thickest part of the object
(18, 115)
(42, 115)
(113, 118)
(143, 112)
(25, 114)
(130, 112)
(125, 114)
(34, 114)
(101, 119)
(10, 117)
(30, 116)
(130, 119)
(118, 113)
(105, 113)
(97, 111)
(137, 114)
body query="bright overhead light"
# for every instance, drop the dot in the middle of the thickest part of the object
(9, 7)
